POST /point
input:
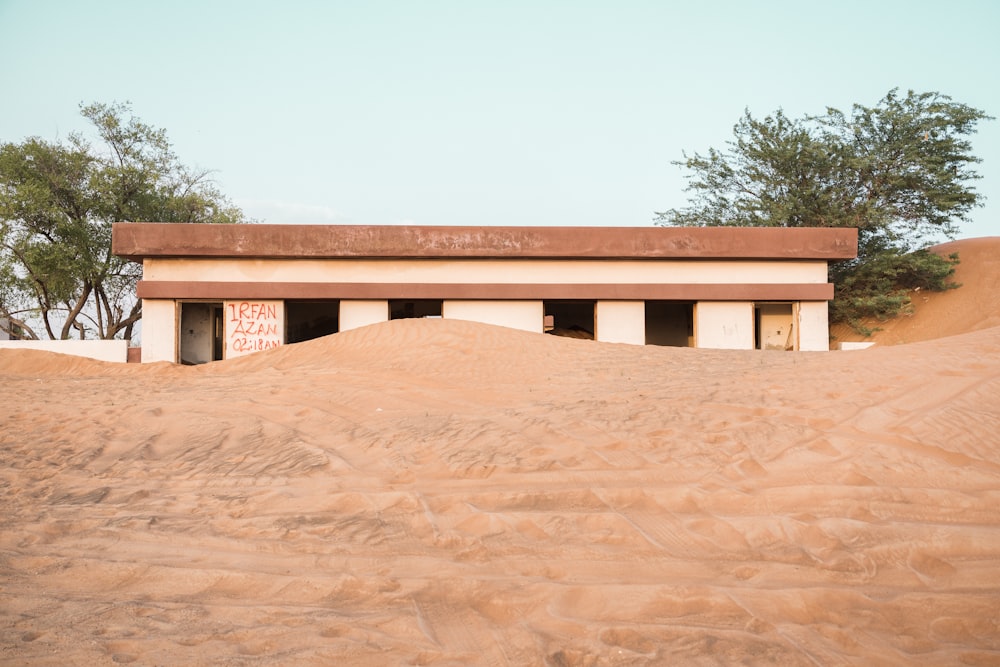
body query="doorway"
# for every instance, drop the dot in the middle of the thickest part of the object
(670, 323)
(774, 326)
(201, 333)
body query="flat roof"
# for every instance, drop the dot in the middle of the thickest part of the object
(139, 240)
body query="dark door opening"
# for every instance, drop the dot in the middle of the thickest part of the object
(400, 309)
(306, 320)
(670, 323)
(574, 319)
(201, 333)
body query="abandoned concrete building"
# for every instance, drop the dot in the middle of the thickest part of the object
(212, 292)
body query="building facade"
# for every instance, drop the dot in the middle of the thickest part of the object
(218, 291)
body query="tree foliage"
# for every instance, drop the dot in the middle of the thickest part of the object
(58, 201)
(901, 172)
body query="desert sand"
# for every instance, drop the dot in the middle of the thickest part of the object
(972, 307)
(435, 492)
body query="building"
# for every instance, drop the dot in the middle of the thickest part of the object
(217, 291)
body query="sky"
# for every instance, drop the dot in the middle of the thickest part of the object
(481, 113)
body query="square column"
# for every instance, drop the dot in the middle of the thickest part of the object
(620, 322)
(252, 326)
(724, 325)
(814, 326)
(356, 313)
(159, 330)
(524, 315)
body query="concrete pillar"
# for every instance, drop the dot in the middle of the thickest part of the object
(253, 326)
(620, 322)
(159, 330)
(814, 326)
(524, 315)
(356, 313)
(726, 325)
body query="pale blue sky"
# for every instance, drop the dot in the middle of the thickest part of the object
(480, 113)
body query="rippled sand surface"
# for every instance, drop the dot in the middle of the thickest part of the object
(434, 492)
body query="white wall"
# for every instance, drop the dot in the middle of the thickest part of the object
(355, 313)
(717, 324)
(854, 345)
(504, 271)
(724, 325)
(102, 350)
(620, 322)
(814, 326)
(159, 330)
(525, 315)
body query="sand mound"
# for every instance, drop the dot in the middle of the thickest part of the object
(42, 364)
(972, 307)
(434, 492)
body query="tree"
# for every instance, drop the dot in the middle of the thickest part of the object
(901, 172)
(58, 277)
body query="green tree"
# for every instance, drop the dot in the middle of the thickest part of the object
(58, 277)
(902, 172)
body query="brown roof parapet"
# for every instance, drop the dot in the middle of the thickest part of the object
(138, 240)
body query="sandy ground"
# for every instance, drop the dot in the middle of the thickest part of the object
(434, 492)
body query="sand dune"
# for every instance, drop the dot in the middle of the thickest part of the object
(434, 492)
(972, 307)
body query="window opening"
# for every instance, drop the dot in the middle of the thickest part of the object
(573, 319)
(306, 320)
(400, 309)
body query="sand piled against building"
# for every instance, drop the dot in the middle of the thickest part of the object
(435, 492)
(972, 307)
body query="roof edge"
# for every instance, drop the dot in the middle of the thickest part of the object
(139, 240)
